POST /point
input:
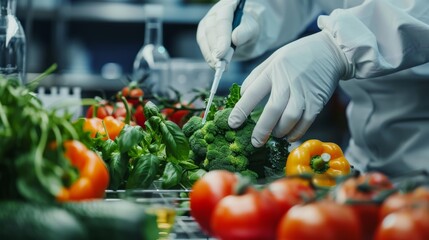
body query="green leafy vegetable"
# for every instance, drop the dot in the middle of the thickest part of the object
(27, 131)
(144, 172)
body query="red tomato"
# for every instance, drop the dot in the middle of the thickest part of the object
(411, 222)
(176, 116)
(139, 116)
(244, 217)
(103, 110)
(360, 192)
(207, 192)
(324, 220)
(119, 110)
(400, 200)
(132, 94)
(284, 194)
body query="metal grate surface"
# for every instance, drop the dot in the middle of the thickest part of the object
(185, 226)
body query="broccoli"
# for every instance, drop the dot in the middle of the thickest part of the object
(217, 146)
(230, 136)
(214, 145)
(195, 123)
(198, 145)
(221, 119)
(210, 127)
(243, 139)
(240, 162)
(209, 138)
(218, 164)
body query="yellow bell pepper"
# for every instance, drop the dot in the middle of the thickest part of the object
(325, 161)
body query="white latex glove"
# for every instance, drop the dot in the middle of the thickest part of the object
(214, 33)
(299, 79)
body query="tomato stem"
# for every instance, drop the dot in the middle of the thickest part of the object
(127, 109)
(242, 185)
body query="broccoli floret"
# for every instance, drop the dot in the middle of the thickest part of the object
(210, 127)
(236, 148)
(198, 145)
(240, 162)
(219, 142)
(230, 136)
(192, 125)
(217, 154)
(221, 119)
(219, 165)
(212, 155)
(209, 138)
(243, 138)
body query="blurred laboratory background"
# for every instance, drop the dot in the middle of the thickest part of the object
(95, 44)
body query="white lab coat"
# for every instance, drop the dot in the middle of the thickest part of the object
(388, 42)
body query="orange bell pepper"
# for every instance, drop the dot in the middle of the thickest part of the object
(93, 177)
(110, 124)
(323, 160)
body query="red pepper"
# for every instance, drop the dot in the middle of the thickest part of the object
(93, 177)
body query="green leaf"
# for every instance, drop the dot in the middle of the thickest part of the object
(233, 96)
(33, 84)
(172, 175)
(145, 170)
(151, 110)
(190, 177)
(118, 166)
(175, 140)
(212, 112)
(84, 137)
(153, 123)
(129, 137)
(194, 175)
(108, 148)
(189, 165)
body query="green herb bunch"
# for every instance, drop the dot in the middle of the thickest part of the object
(27, 130)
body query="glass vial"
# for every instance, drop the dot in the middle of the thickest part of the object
(12, 43)
(152, 63)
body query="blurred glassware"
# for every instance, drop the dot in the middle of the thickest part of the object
(111, 71)
(152, 63)
(190, 76)
(12, 43)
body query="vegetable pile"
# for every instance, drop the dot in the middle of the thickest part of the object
(53, 185)
(172, 146)
(141, 141)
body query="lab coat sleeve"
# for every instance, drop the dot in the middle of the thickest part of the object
(380, 37)
(280, 21)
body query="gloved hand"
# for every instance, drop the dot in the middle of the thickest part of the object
(299, 79)
(214, 31)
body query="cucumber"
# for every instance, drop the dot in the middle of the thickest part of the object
(30, 221)
(111, 220)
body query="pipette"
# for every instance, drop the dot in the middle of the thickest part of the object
(221, 65)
